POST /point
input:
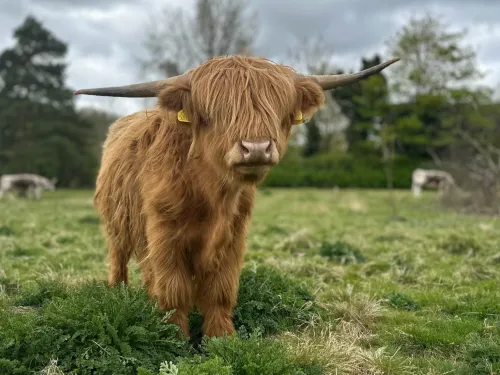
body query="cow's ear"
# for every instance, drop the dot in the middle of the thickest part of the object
(178, 98)
(175, 98)
(310, 97)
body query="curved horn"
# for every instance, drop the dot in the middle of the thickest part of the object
(139, 90)
(328, 82)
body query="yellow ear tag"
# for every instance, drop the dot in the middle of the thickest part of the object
(298, 117)
(182, 117)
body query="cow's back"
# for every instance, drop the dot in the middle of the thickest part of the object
(117, 196)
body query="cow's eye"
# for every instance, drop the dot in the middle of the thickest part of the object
(203, 121)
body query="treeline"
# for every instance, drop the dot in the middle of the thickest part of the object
(418, 112)
(326, 170)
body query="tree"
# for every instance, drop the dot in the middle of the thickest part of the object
(375, 116)
(312, 145)
(433, 79)
(40, 132)
(100, 121)
(356, 102)
(434, 59)
(178, 41)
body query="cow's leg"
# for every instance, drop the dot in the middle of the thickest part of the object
(216, 296)
(37, 192)
(12, 194)
(147, 275)
(217, 284)
(173, 284)
(26, 192)
(119, 253)
(442, 188)
(118, 270)
(416, 189)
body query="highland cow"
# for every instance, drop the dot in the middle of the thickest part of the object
(431, 179)
(177, 183)
(26, 184)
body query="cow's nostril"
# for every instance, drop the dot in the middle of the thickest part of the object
(259, 152)
(244, 150)
(268, 148)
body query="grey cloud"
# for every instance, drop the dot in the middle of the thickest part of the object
(89, 4)
(357, 25)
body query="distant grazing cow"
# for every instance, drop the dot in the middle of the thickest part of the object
(176, 184)
(431, 179)
(26, 184)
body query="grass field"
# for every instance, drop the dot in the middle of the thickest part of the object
(332, 285)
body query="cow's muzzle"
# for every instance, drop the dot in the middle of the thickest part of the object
(255, 153)
(252, 157)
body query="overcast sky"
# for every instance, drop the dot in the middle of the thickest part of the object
(103, 34)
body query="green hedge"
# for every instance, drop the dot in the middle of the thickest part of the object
(344, 171)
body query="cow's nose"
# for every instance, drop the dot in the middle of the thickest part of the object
(256, 152)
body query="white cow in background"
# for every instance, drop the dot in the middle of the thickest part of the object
(430, 178)
(26, 184)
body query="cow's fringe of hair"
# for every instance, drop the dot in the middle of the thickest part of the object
(258, 97)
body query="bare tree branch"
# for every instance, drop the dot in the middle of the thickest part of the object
(478, 175)
(177, 40)
(434, 156)
(479, 148)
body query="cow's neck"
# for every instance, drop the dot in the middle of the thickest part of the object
(221, 192)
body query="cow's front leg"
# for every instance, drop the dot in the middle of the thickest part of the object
(217, 285)
(416, 189)
(172, 280)
(216, 298)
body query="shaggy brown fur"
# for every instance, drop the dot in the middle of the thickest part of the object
(169, 192)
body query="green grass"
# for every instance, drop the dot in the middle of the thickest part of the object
(332, 285)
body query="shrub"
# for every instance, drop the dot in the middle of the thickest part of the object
(42, 292)
(271, 302)
(401, 301)
(90, 329)
(346, 170)
(341, 252)
(7, 231)
(246, 355)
